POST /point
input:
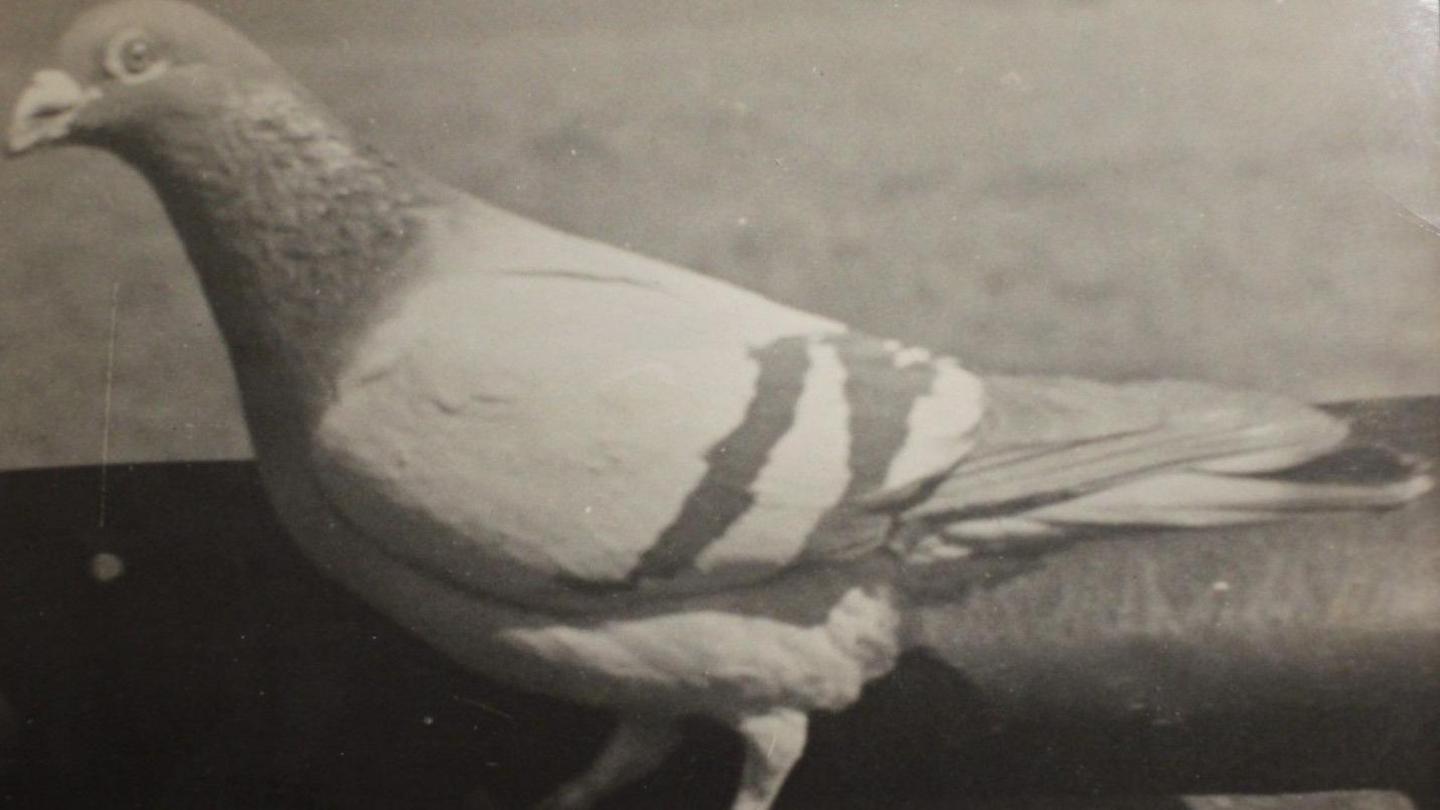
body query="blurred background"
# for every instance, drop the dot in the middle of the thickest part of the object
(1232, 190)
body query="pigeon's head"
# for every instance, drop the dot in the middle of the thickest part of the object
(130, 69)
(291, 224)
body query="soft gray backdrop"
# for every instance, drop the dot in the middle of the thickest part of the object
(1116, 188)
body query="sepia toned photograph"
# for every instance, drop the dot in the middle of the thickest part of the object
(820, 405)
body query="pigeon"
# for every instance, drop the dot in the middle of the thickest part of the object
(598, 476)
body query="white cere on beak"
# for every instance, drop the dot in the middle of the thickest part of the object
(46, 108)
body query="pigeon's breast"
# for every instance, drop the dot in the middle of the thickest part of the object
(723, 659)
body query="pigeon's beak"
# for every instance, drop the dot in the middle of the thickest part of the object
(46, 109)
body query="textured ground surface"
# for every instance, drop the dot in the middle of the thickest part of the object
(1117, 188)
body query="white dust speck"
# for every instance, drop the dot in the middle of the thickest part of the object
(1220, 586)
(106, 567)
(1013, 79)
(910, 356)
(427, 720)
(932, 549)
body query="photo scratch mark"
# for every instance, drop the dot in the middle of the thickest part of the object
(109, 390)
(485, 707)
(1409, 214)
(1416, 218)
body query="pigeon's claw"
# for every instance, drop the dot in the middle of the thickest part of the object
(636, 748)
(773, 744)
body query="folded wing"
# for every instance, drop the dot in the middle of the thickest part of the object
(1058, 454)
(561, 436)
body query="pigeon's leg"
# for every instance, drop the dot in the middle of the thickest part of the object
(773, 744)
(635, 748)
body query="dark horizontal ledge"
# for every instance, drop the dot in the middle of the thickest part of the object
(219, 670)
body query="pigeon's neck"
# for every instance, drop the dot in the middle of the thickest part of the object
(297, 232)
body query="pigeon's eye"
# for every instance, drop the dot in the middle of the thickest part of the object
(136, 56)
(133, 57)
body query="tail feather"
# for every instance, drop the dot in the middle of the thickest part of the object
(1165, 454)
(1204, 499)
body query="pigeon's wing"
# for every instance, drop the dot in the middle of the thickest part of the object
(541, 432)
(1058, 454)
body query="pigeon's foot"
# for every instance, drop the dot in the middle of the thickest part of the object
(773, 744)
(637, 747)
